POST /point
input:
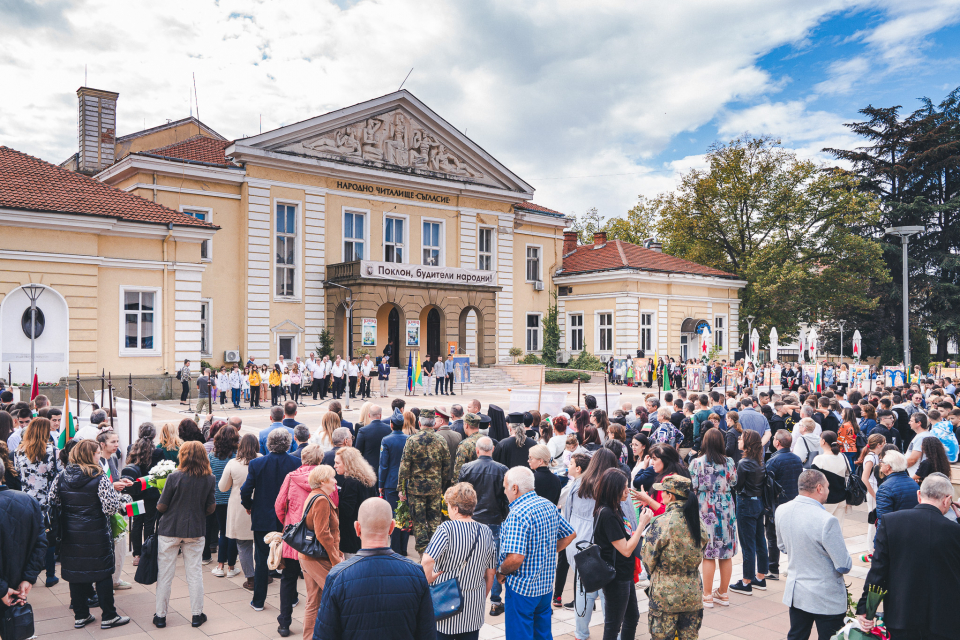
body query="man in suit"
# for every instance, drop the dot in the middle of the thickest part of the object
(276, 418)
(258, 496)
(301, 435)
(370, 436)
(917, 561)
(818, 560)
(456, 420)
(391, 452)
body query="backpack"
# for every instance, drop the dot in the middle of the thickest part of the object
(180, 374)
(771, 493)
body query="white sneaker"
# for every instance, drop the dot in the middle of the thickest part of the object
(120, 586)
(218, 571)
(233, 572)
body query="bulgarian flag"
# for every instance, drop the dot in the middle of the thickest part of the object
(69, 430)
(818, 383)
(142, 483)
(136, 508)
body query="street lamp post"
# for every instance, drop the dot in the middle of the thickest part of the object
(347, 303)
(33, 291)
(841, 323)
(905, 233)
(750, 320)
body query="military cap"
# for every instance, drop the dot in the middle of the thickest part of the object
(677, 485)
(472, 419)
(515, 417)
(428, 413)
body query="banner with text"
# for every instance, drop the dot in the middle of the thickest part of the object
(425, 273)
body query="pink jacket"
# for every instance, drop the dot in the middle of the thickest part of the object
(291, 500)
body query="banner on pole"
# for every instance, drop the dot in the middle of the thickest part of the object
(413, 333)
(368, 332)
(860, 376)
(894, 376)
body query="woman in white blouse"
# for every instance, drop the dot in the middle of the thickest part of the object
(836, 467)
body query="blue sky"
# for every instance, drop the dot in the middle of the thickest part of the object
(628, 93)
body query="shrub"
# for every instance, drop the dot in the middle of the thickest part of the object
(586, 361)
(530, 358)
(515, 352)
(553, 376)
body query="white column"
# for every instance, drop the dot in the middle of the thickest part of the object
(626, 326)
(734, 331)
(258, 274)
(186, 315)
(468, 240)
(663, 320)
(505, 278)
(315, 269)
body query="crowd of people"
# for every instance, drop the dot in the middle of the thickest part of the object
(505, 504)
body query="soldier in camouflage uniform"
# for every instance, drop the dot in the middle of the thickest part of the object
(424, 473)
(467, 450)
(672, 558)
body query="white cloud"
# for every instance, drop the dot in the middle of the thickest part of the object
(551, 89)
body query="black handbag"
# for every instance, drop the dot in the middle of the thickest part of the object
(447, 596)
(149, 566)
(856, 492)
(18, 622)
(299, 537)
(594, 572)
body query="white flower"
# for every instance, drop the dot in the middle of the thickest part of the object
(163, 469)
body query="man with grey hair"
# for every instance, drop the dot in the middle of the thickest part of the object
(817, 557)
(341, 438)
(301, 434)
(89, 432)
(486, 476)
(236, 422)
(456, 419)
(898, 491)
(258, 495)
(530, 539)
(917, 561)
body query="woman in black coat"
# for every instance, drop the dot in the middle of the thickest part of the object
(356, 482)
(142, 456)
(87, 500)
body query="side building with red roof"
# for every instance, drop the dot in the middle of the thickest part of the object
(619, 300)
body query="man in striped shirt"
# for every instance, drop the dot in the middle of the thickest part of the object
(530, 539)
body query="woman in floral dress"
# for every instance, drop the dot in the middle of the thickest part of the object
(714, 475)
(35, 460)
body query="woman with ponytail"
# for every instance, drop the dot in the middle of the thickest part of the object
(142, 456)
(672, 552)
(837, 468)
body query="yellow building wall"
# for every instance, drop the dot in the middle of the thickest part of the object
(526, 299)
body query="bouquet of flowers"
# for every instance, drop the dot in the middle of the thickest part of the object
(402, 516)
(852, 630)
(158, 475)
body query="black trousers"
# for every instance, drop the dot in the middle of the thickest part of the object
(212, 537)
(450, 383)
(255, 396)
(364, 387)
(324, 388)
(288, 590)
(621, 613)
(314, 388)
(563, 568)
(80, 591)
(914, 634)
(439, 385)
(261, 551)
(143, 528)
(801, 623)
(184, 390)
(295, 392)
(274, 396)
(773, 551)
(339, 385)
(353, 386)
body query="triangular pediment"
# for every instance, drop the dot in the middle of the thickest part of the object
(287, 326)
(395, 133)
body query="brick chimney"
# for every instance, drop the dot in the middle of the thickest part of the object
(600, 237)
(97, 128)
(569, 241)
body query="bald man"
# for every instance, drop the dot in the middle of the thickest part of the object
(353, 592)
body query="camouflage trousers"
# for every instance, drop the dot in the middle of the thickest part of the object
(675, 626)
(425, 516)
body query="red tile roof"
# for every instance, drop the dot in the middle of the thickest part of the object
(197, 149)
(616, 254)
(31, 184)
(529, 206)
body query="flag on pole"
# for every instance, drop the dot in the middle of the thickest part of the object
(136, 508)
(666, 377)
(35, 387)
(656, 361)
(68, 430)
(857, 345)
(818, 381)
(754, 345)
(410, 371)
(418, 372)
(142, 483)
(800, 339)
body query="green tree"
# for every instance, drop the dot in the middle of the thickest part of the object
(587, 224)
(551, 333)
(635, 227)
(788, 227)
(324, 344)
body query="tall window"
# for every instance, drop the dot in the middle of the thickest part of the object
(719, 324)
(606, 331)
(485, 249)
(431, 243)
(205, 325)
(576, 332)
(533, 332)
(533, 264)
(393, 240)
(353, 236)
(205, 245)
(286, 249)
(646, 331)
(139, 327)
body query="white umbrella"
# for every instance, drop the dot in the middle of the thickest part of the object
(857, 345)
(773, 344)
(754, 344)
(812, 344)
(704, 342)
(800, 340)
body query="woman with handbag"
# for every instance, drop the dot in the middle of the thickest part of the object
(835, 466)
(321, 518)
(141, 458)
(35, 462)
(239, 526)
(461, 550)
(87, 500)
(618, 540)
(289, 507)
(672, 551)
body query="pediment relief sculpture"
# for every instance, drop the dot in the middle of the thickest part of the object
(391, 139)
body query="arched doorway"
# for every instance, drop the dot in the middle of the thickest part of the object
(470, 338)
(393, 335)
(434, 333)
(52, 341)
